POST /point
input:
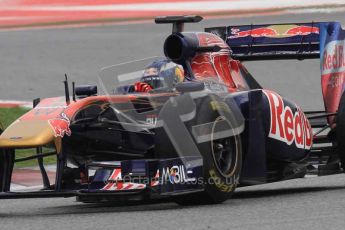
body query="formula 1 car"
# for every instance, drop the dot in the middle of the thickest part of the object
(196, 140)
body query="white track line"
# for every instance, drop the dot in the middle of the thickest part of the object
(26, 104)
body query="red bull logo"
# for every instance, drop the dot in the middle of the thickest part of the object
(258, 32)
(333, 76)
(334, 57)
(275, 31)
(302, 30)
(288, 126)
(60, 126)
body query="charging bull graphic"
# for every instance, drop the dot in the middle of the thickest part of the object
(302, 30)
(60, 126)
(274, 31)
(258, 32)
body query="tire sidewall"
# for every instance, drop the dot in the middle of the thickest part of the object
(218, 187)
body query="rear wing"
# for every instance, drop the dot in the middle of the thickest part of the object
(324, 40)
(276, 41)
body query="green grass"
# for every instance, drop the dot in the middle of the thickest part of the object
(9, 115)
(20, 153)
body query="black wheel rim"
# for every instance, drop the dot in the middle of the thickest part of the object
(224, 152)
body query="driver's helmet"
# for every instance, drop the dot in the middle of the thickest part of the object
(163, 74)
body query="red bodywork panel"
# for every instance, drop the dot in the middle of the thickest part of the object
(333, 76)
(219, 65)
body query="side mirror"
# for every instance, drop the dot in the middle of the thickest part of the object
(86, 90)
(190, 86)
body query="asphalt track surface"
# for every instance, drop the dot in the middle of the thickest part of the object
(33, 64)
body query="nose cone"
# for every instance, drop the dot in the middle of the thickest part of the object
(26, 134)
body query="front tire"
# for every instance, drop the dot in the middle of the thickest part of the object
(6, 167)
(222, 157)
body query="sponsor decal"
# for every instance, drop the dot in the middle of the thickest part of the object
(274, 31)
(219, 183)
(333, 57)
(336, 80)
(258, 32)
(115, 183)
(151, 119)
(333, 75)
(288, 126)
(60, 126)
(15, 138)
(302, 30)
(120, 186)
(177, 174)
(115, 175)
(155, 180)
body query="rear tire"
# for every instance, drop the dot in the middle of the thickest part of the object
(340, 131)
